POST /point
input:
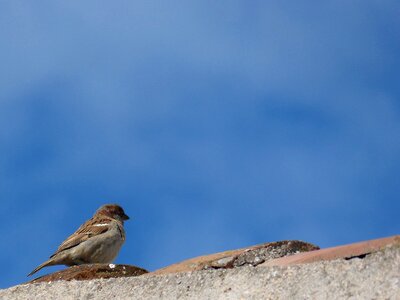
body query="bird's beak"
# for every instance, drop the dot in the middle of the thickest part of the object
(125, 217)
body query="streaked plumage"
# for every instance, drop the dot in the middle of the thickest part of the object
(98, 240)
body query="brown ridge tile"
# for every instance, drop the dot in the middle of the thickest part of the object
(253, 255)
(92, 271)
(346, 251)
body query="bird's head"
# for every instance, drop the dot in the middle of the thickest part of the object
(113, 211)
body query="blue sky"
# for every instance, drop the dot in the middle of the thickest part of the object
(216, 125)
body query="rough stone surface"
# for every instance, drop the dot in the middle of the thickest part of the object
(376, 276)
(92, 271)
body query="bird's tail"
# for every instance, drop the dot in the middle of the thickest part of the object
(49, 262)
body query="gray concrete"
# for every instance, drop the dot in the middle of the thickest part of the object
(376, 276)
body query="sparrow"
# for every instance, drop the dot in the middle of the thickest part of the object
(98, 240)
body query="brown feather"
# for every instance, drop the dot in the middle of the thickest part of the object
(84, 232)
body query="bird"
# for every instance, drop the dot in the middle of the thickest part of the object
(98, 240)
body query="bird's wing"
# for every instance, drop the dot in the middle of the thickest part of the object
(93, 227)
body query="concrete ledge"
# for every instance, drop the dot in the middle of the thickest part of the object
(376, 276)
